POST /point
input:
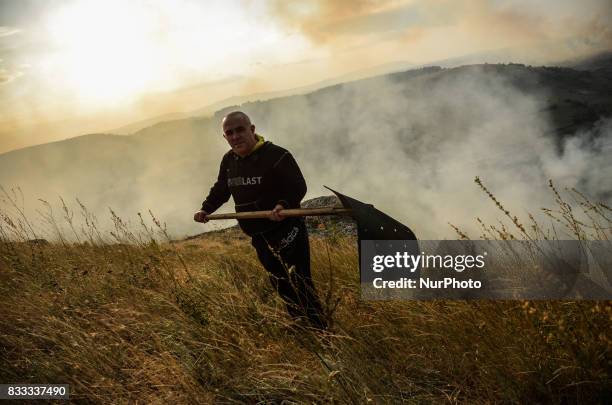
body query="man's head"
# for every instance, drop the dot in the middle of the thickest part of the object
(239, 133)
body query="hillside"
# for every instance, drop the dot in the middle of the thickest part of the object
(197, 321)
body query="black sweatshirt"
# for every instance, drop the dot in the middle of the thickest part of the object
(259, 181)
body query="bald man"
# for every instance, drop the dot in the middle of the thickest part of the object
(262, 176)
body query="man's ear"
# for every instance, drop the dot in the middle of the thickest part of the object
(252, 128)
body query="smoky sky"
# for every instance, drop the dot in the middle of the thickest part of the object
(410, 147)
(21, 13)
(332, 21)
(319, 40)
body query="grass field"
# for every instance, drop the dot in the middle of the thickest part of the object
(197, 321)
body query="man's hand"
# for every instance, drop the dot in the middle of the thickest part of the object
(200, 216)
(275, 215)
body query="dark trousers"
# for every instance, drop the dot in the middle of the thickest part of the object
(285, 254)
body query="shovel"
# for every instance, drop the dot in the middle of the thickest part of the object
(372, 224)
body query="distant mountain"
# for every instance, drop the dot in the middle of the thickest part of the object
(262, 96)
(406, 133)
(496, 56)
(599, 62)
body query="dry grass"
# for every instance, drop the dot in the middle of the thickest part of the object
(135, 320)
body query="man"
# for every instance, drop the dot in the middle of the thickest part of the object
(262, 176)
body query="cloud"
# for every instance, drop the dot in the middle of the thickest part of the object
(466, 26)
(7, 76)
(548, 20)
(23, 12)
(323, 21)
(7, 50)
(8, 31)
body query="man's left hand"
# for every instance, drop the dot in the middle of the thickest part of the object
(275, 215)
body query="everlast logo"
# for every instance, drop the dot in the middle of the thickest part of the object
(243, 181)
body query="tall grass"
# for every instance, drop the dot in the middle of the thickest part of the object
(133, 316)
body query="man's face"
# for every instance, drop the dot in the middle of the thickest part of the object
(240, 134)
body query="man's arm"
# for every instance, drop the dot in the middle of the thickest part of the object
(219, 193)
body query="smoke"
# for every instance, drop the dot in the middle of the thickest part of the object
(409, 143)
(585, 163)
(413, 148)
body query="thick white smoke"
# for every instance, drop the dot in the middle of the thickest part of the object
(413, 148)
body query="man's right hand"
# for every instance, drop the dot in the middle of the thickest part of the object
(200, 216)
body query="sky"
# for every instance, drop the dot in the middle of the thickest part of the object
(70, 67)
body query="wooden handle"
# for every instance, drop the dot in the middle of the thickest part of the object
(291, 212)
